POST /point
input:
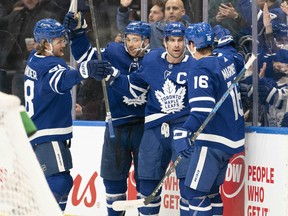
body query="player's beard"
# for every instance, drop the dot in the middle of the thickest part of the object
(176, 58)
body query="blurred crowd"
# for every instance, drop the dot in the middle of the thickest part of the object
(18, 17)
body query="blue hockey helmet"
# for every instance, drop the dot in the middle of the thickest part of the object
(175, 29)
(48, 29)
(201, 34)
(223, 35)
(138, 27)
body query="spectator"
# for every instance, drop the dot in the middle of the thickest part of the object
(18, 26)
(284, 7)
(157, 11)
(277, 17)
(229, 16)
(273, 92)
(174, 12)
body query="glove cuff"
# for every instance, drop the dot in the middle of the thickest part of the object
(180, 133)
(83, 70)
(76, 33)
(110, 78)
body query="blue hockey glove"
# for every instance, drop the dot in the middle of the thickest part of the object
(74, 25)
(110, 78)
(267, 91)
(223, 35)
(181, 142)
(97, 69)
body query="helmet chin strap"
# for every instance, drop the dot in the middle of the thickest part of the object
(192, 52)
(140, 50)
(50, 51)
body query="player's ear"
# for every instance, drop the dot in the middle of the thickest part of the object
(164, 43)
(146, 41)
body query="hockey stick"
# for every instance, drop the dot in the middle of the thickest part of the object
(107, 106)
(73, 6)
(123, 205)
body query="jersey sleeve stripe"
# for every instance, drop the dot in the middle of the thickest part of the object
(221, 140)
(200, 109)
(202, 99)
(86, 55)
(54, 80)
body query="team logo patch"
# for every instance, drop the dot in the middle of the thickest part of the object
(140, 100)
(171, 100)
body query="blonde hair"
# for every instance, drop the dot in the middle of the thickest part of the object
(40, 48)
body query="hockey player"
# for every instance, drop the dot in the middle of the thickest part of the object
(209, 78)
(48, 82)
(127, 112)
(163, 76)
(226, 46)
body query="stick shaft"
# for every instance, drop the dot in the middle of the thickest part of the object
(103, 82)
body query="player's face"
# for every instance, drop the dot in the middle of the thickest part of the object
(58, 46)
(134, 43)
(174, 10)
(175, 47)
(280, 67)
(155, 14)
(30, 4)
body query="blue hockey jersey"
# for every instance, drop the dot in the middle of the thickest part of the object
(48, 101)
(209, 79)
(123, 109)
(165, 84)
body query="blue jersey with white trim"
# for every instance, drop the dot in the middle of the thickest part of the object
(230, 52)
(208, 80)
(48, 100)
(165, 84)
(124, 109)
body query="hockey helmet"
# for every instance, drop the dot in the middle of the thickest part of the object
(201, 34)
(139, 28)
(223, 35)
(48, 29)
(176, 29)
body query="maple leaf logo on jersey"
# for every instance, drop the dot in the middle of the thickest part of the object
(140, 100)
(171, 100)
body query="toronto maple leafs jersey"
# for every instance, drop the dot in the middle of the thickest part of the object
(48, 100)
(208, 80)
(165, 84)
(123, 109)
(230, 52)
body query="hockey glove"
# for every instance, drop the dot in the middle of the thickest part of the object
(182, 143)
(97, 69)
(223, 35)
(110, 78)
(267, 91)
(74, 24)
